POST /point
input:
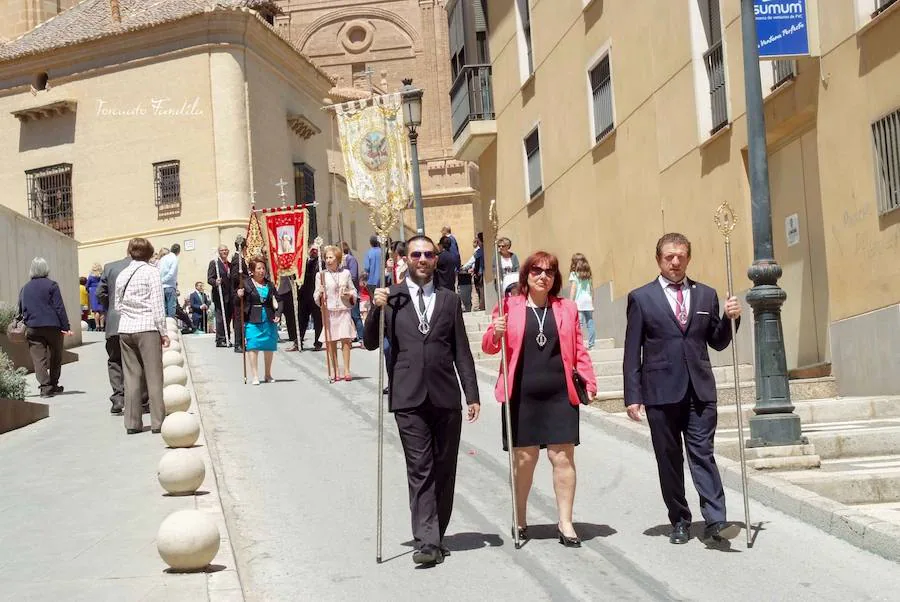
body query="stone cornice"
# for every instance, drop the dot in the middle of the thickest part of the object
(53, 109)
(197, 33)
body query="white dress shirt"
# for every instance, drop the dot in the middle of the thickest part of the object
(672, 294)
(427, 293)
(168, 270)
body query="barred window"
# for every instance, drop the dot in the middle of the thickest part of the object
(305, 192)
(601, 92)
(533, 161)
(50, 197)
(886, 140)
(167, 181)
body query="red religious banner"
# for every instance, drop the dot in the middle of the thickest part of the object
(286, 234)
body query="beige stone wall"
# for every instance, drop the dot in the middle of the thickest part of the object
(19, 16)
(24, 239)
(656, 172)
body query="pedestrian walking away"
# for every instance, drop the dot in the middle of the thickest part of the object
(544, 348)
(168, 273)
(430, 357)
(106, 294)
(142, 334)
(581, 291)
(46, 323)
(671, 322)
(261, 318)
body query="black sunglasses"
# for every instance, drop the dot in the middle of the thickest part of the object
(420, 254)
(537, 271)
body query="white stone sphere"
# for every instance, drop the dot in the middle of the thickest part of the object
(176, 398)
(174, 334)
(188, 540)
(181, 472)
(180, 429)
(85, 326)
(171, 322)
(173, 346)
(172, 358)
(174, 375)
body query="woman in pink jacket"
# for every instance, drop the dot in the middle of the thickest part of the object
(544, 347)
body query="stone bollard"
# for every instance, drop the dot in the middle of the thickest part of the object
(181, 472)
(180, 429)
(172, 358)
(176, 398)
(188, 540)
(171, 322)
(174, 375)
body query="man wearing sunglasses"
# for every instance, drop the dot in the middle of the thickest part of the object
(427, 336)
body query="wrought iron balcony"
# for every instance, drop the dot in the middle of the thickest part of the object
(471, 97)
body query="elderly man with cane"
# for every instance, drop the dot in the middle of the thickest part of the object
(671, 323)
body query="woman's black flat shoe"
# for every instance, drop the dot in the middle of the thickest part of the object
(569, 542)
(523, 533)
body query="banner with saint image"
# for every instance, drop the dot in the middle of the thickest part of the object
(375, 151)
(286, 232)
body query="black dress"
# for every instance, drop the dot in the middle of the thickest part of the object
(541, 412)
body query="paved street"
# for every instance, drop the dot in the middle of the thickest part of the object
(296, 471)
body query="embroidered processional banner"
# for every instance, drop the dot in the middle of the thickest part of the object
(375, 151)
(286, 232)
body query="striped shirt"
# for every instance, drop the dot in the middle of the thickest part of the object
(141, 306)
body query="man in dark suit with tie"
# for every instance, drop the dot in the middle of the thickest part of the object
(671, 322)
(427, 339)
(239, 274)
(105, 293)
(199, 305)
(219, 279)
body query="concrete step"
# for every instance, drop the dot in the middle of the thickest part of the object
(836, 409)
(860, 486)
(813, 388)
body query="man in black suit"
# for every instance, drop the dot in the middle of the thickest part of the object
(307, 304)
(218, 276)
(671, 321)
(199, 305)
(105, 295)
(427, 338)
(447, 266)
(240, 274)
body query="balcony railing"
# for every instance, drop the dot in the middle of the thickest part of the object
(471, 97)
(783, 71)
(715, 71)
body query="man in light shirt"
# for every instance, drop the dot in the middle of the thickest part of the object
(168, 274)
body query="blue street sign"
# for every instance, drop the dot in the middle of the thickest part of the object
(781, 28)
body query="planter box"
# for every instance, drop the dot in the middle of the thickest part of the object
(21, 358)
(15, 413)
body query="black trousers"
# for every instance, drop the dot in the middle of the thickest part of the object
(223, 321)
(430, 438)
(45, 344)
(286, 301)
(308, 308)
(182, 315)
(237, 321)
(114, 369)
(694, 422)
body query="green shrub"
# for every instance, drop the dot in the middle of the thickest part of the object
(12, 379)
(8, 313)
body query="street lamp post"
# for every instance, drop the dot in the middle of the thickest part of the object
(774, 422)
(412, 119)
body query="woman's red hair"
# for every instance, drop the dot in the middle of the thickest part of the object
(545, 258)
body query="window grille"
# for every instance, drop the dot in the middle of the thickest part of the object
(783, 71)
(881, 6)
(305, 192)
(533, 159)
(167, 182)
(886, 141)
(714, 58)
(50, 197)
(526, 33)
(601, 89)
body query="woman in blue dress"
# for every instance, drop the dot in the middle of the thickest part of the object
(93, 281)
(260, 319)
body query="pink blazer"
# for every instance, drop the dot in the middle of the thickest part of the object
(571, 345)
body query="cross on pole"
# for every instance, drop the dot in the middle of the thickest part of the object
(281, 184)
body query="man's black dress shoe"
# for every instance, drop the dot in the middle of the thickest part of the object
(221, 344)
(428, 554)
(680, 533)
(721, 531)
(445, 550)
(156, 431)
(117, 410)
(58, 389)
(134, 431)
(238, 349)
